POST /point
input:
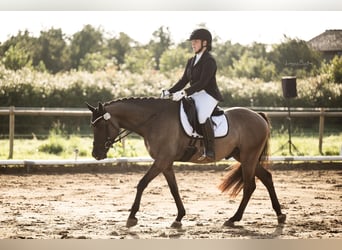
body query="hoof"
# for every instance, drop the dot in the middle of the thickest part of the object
(131, 222)
(281, 218)
(229, 223)
(176, 224)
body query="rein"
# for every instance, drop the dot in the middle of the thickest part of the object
(124, 133)
(109, 143)
(121, 137)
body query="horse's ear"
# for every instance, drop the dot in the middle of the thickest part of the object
(101, 108)
(91, 108)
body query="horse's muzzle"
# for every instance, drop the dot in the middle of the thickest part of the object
(98, 156)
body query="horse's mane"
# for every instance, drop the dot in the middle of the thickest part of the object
(138, 100)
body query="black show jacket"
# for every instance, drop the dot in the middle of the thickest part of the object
(201, 76)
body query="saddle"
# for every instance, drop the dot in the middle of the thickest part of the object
(189, 108)
(191, 126)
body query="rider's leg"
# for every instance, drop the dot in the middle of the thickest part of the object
(205, 105)
(209, 139)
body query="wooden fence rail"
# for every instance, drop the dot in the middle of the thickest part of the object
(271, 112)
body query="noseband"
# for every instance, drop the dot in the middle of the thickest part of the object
(110, 141)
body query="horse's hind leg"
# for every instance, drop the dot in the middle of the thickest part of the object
(248, 176)
(266, 178)
(171, 180)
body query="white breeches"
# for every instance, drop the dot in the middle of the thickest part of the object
(205, 105)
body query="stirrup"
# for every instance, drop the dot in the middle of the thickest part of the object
(202, 157)
(205, 156)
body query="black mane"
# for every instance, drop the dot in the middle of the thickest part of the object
(138, 100)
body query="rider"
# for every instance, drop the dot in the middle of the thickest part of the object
(200, 71)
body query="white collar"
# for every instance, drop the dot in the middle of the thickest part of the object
(198, 56)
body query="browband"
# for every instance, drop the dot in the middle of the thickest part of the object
(106, 117)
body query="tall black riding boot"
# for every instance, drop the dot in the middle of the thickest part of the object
(209, 138)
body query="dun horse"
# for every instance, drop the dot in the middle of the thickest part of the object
(157, 121)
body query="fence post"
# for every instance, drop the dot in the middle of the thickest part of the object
(321, 130)
(11, 131)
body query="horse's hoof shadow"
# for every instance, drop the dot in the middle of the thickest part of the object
(231, 224)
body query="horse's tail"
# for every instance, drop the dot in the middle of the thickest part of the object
(233, 181)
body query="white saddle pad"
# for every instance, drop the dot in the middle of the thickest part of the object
(220, 124)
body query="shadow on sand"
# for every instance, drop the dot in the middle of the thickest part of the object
(224, 232)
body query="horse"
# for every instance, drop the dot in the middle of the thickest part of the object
(157, 121)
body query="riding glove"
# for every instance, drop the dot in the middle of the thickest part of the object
(178, 95)
(165, 94)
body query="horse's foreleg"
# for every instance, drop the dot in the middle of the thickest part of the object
(266, 178)
(171, 180)
(148, 177)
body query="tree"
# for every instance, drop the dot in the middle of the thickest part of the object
(253, 67)
(93, 62)
(254, 63)
(337, 69)
(52, 50)
(226, 54)
(174, 58)
(16, 58)
(88, 40)
(118, 47)
(138, 60)
(333, 69)
(294, 57)
(160, 42)
(19, 50)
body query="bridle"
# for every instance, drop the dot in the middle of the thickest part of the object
(122, 134)
(110, 141)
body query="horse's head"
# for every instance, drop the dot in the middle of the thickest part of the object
(105, 131)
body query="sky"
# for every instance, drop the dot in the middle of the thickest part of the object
(242, 27)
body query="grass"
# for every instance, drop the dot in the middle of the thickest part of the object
(69, 147)
(61, 147)
(306, 145)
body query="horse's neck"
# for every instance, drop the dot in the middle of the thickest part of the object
(135, 115)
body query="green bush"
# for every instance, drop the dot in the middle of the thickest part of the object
(28, 88)
(55, 140)
(53, 146)
(333, 69)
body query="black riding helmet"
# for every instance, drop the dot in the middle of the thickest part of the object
(202, 34)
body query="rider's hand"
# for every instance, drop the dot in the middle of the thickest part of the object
(165, 94)
(178, 95)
